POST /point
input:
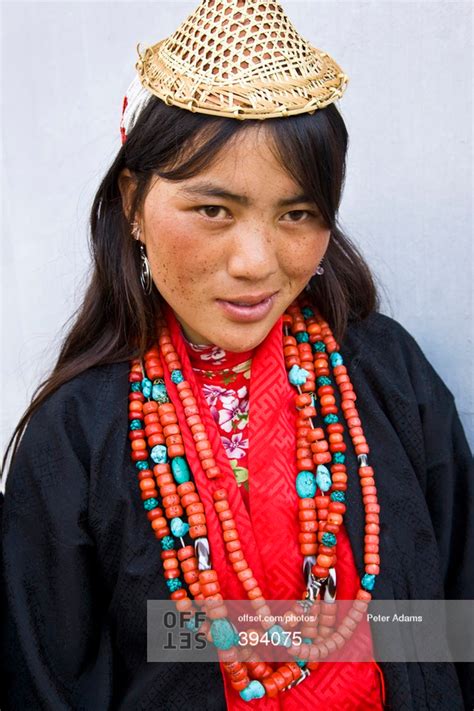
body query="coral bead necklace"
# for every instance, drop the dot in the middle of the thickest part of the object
(175, 510)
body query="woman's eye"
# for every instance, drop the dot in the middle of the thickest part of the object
(211, 210)
(298, 214)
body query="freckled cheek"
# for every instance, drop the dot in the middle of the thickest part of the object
(299, 263)
(179, 261)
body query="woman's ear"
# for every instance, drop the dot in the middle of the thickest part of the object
(127, 186)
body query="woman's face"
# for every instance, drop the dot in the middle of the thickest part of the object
(238, 231)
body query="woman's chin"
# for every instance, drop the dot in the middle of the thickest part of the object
(239, 338)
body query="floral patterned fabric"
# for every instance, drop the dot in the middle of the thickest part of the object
(225, 380)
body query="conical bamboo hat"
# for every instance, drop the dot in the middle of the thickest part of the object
(240, 59)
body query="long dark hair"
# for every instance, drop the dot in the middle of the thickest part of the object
(116, 321)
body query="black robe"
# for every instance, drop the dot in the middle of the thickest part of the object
(80, 559)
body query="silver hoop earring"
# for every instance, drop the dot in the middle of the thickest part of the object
(145, 271)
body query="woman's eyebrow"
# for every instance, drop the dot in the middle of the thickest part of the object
(210, 190)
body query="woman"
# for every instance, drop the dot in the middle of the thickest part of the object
(224, 294)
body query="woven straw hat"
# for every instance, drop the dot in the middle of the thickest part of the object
(240, 59)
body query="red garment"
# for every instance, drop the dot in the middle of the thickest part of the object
(274, 559)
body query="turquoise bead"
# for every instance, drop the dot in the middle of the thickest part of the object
(329, 539)
(178, 527)
(192, 625)
(338, 496)
(297, 376)
(305, 485)
(180, 469)
(368, 581)
(159, 454)
(302, 337)
(174, 584)
(146, 387)
(246, 694)
(319, 347)
(276, 631)
(135, 425)
(135, 387)
(142, 465)
(167, 543)
(150, 504)
(307, 312)
(223, 633)
(323, 478)
(331, 419)
(336, 359)
(338, 458)
(177, 376)
(255, 690)
(323, 380)
(158, 393)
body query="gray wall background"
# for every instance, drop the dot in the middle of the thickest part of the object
(408, 196)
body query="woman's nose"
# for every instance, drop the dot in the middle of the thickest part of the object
(252, 255)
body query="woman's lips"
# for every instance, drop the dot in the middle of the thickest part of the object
(237, 312)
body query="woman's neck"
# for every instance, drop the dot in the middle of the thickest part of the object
(213, 357)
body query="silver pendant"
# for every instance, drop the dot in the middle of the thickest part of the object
(201, 547)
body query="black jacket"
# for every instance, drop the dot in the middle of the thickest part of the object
(80, 561)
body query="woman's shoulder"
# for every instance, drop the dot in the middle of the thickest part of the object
(98, 390)
(72, 430)
(381, 331)
(389, 354)
(79, 416)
